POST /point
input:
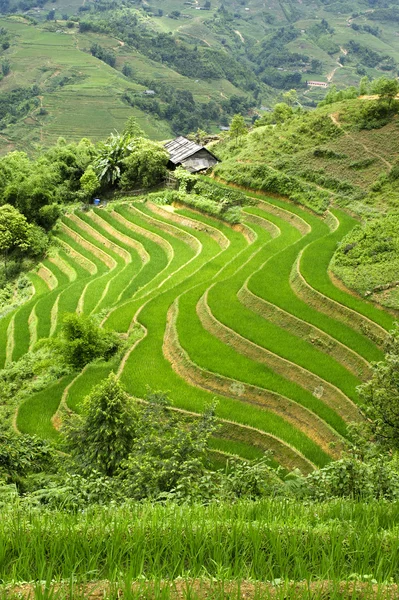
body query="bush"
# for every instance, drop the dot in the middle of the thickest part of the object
(145, 166)
(84, 341)
(48, 216)
(102, 437)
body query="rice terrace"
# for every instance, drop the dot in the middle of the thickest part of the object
(243, 314)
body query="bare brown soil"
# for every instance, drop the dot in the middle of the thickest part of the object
(202, 589)
(326, 392)
(318, 338)
(295, 414)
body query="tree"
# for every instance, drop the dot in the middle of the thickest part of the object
(83, 341)
(237, 127)
(127, 70)
(5, 67)
(145, 166)
(364, 85)
(387, 89)
(168, 455)
(89, 183)
(381, 395)
(110, 157)
(132, 129)
(14, 231)
(102, 437)
(282, 112)
(290, 97)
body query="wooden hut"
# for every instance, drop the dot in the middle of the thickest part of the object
(189, 155)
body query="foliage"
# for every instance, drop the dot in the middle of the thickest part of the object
(83, 340)
(102, 436)
(103, 54)
(380, 396)
(48, 216)
(220, 210)
(33, 372)
(111, 155)
(14, 229)
(350, 477)
(367, 259)
(89, 183)
(237, 127)
(167, 456)
(21, 455)
(145, 166)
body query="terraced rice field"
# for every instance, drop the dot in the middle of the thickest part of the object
(245, 315)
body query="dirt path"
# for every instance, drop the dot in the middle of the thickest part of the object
(240, 35)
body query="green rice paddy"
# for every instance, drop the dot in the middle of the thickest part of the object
(278, 386)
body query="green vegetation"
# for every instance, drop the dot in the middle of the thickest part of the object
(177, 351)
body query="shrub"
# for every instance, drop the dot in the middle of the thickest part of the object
(83, 341)
(102, 437)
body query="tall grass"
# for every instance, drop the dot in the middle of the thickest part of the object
(263, 541)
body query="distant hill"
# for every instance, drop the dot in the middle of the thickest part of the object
(205, 60)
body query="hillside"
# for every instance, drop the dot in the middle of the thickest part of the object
(90, 63)
(198, 389)
(56, 87)
(343, 154)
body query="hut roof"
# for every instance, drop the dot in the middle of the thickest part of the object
(181, 148)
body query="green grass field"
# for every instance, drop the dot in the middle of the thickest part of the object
(180, 285)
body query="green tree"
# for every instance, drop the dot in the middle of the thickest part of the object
(89, 183)
(14, 231)
(82, 341)
(364, 86)
(290, 97)
(387, 89)
(110, 157)
(102, 437)
(168, 455)
(145, 166)
(237, 127)
(5, 67)
(132, 129)
(282, 112)
(380, 396)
